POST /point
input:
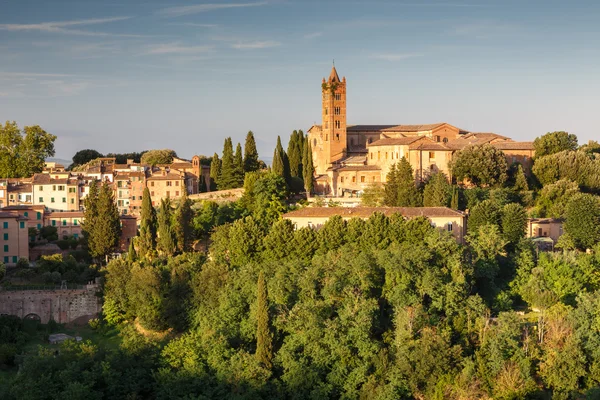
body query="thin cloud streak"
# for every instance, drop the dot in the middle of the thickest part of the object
(255, 45)
(63, 27)
(395, 56)
(200, 8)
(176, 48)
(313, 35)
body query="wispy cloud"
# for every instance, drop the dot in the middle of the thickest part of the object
(394, 56)
(255, 45)
(177, 48)
(64, 27)
(313, 35)
(195, 24)
(200, 8)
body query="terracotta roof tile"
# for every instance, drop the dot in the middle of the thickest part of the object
(507, 145)
(403, 141)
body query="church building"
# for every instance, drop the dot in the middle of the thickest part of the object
(348, 158)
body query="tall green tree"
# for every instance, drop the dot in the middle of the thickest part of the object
(23, 153)
(308, 169)
(264, 341)
(576, 166)
(521, 184)
(454, 199)
(438, 191)
(484, 213)
(401, 190)
(215, 171)
(238, 164)
(183, 223)
(582, 220)
(90, 214)
(147, 237)
(554, 142)
(277, 167)
(227, 178)
(107, 229)
(250, 154)
(294, 155)
(165, 240)
(482, 165)
(514, 222)
(84, 156)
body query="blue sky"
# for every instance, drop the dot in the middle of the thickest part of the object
(133, 75)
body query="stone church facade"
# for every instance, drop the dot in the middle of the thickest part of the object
(348, 158)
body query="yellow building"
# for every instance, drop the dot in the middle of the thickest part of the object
(13, 238)
(441, 217)
(348, 158)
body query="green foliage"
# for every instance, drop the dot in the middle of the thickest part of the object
(101, 227)
(482, 165)
(50, 233)
(582, 220)
(165, 241)
(484, 213)
(215, 171)
(182, 228)
(454, 201)
(513, 222)
(250, 154)
(23, 153)
(437, 192)
(400, 188)
(264, 345)
(84, 156)
(554, 198)
(228, 177)
(554, 142)
(521, 184)
(308, 169)
(238, 166)
(575, 166)
(155, 157)
(146, 241)
(373, 196)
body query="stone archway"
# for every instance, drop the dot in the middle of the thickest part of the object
(32, 317)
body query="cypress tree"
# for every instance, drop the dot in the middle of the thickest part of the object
(183, 220)
(215, 172)
(391, 187)
(202, 188)
(250, 154)
(438, 191)
(277, 166)
(408, 194)
(295, 157)
(454, 200)
(264, 345)
(521, 180)
(238, 165)
(107, 230)
(165, 242)
(147, 237)
(285, 162)
(131, 254)
(308, 167)
(227, 178)
(90, 214)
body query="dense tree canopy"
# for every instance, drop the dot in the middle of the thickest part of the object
(554, 142)
(85, 156)
(481, 165)
(576, 166)
(154, 157)
(23, 152)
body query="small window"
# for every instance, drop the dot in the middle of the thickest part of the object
(431, 154)
(64, 222)
(445, 140)
(41, 188)
(52, 200)
(41, 200)
(14, 259)
(177, 193)
(449, 226)
(53, 222)
(353, 179)
(6, 248)
(21, 224)
(314, 142)
(371, 156)
(5, 225)
(341, 179)
(64, 199)
(76, 236)
(6, 236)
(72, 201)
(39, 215)
(6, 259)
(39, 226)
(337, 136)
(176, 183)
(152, 193)
(152, 183)
(26, 214)
(75, 222)
(54, 188)
(362, 179)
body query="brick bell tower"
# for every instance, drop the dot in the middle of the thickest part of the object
(334, 116)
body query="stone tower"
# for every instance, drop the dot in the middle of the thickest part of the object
(334, 117)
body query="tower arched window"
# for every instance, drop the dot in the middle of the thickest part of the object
(314, 142)
(326, 111)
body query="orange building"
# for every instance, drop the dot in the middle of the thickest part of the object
(348, 158)
(14, 238)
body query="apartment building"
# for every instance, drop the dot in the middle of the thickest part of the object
(56, 194)
(14, 238)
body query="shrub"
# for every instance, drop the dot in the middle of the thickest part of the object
(23, 263)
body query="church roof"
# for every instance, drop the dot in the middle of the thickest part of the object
(333, 76)
(403, 141)
(413, 128)
(510, 145)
